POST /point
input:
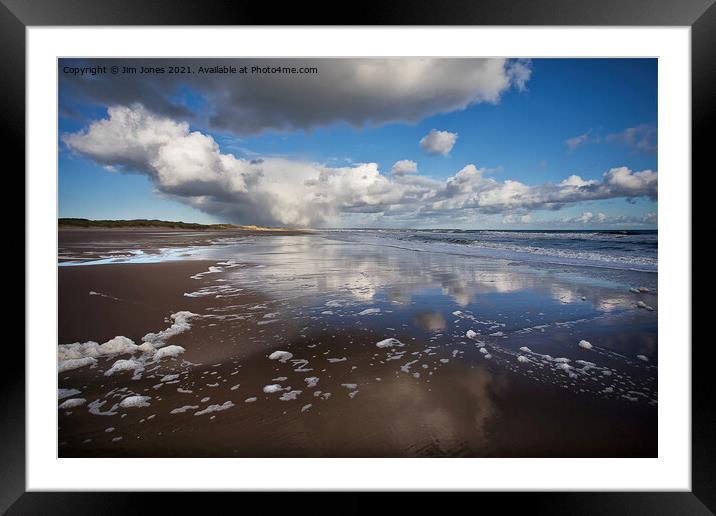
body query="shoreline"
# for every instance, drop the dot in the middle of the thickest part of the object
(335, 308)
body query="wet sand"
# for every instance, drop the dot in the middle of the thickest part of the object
(433, 393)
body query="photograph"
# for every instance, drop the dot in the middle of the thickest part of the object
(383, 257)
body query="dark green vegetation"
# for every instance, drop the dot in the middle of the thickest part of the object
(141, 223)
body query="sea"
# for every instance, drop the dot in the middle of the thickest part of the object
(618, 249)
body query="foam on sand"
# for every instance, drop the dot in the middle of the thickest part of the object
(96, 405)
(124, 365)
(274, 387)
(215, 408)
(291, 395)
(306, 407)
(642, 304)
(281, 356)
(168, 352)
(146, 347)
(135, 402)
(389, 343)
(585, 344)
(180, 324)
(66, 393)
(116, 346)
(311, 381)
(72, 403)
(75, 363)
(183, 409)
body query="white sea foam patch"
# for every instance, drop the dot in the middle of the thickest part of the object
(124, 365)
(389, 343)
(585, 344)
(291, 395)
(180, 324)
(215, 408)
(181, 410)
(370, 311)
(642, 304)
(168, 352)
(135, 402)
(75, 363)
(281, 356)
(311, 381)
(96, 406)
(100, 294)
(72, 403)
(66, 393)
(76, 355)
(274, 387)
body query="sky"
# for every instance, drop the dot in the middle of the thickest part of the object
(418, 143)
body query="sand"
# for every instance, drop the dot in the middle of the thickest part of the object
(340, 393)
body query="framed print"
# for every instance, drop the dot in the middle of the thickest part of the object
(431, 251)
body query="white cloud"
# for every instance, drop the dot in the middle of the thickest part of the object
(576, 141)
(577, 182)
(589, 218)
(189, 166)
(404, 166)
(641, 138)
(438, 142)
(586, 217)
(632, 184)
(515, 219)
(520, 72)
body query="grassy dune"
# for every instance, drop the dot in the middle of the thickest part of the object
(152, 223)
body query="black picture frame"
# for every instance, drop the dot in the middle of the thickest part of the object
(17, 15)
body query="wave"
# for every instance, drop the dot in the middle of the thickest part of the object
(628, 250)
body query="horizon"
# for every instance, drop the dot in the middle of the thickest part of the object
(446, 228)
(463, 144)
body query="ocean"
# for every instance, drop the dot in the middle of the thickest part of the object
(616, 249)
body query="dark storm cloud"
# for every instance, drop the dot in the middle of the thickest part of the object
(354, 91)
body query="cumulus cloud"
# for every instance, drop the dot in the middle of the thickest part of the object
(520, 71)
(517, 219)
(404, 166)
(641, 138)
(190, 166)
(589, 218)
(577, 181)
(438, 142)
(353, 91)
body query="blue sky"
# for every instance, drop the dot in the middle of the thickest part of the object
(606, 107)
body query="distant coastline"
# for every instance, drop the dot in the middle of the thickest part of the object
(77, 223)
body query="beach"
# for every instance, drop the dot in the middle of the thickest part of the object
(356, 344)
